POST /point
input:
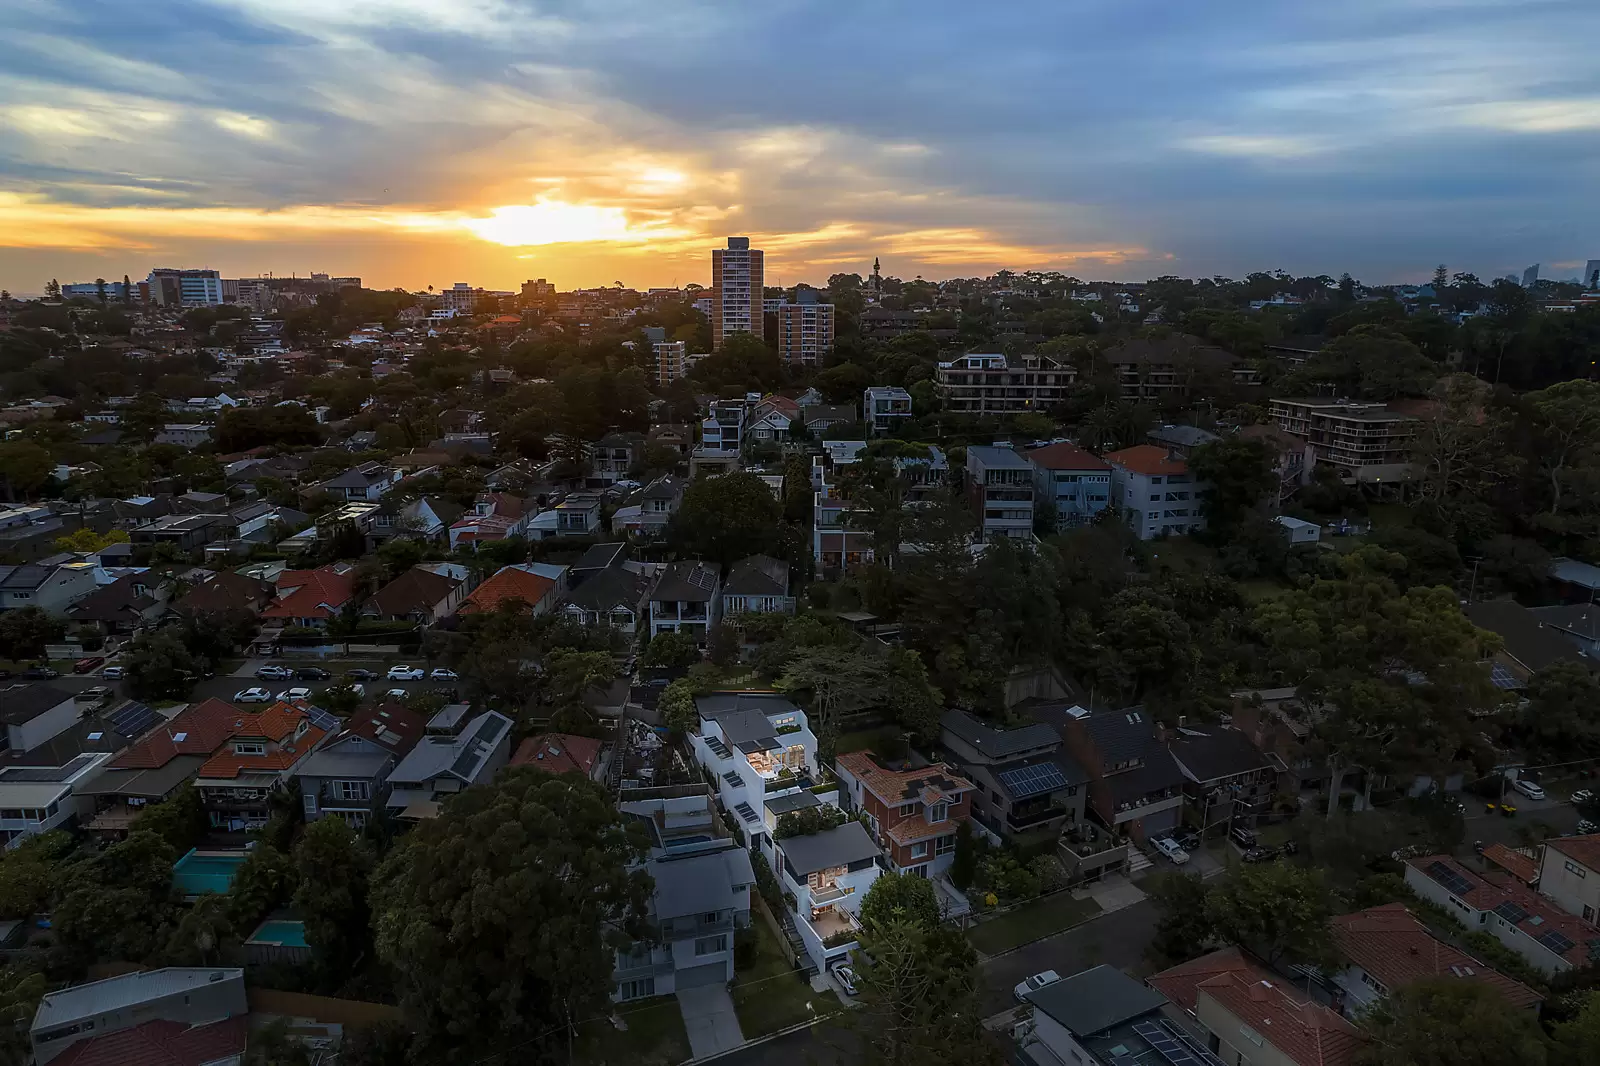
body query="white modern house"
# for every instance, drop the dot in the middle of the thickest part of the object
(828, 874)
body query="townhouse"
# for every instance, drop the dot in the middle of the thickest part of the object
(348, 777)
(1550, 939)
(761, 754)
(827, 874)
(1227, 782)
(914, 814)
(1073, 484)
(1135, 786)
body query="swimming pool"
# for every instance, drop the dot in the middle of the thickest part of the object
(280, 932)
(199, 872)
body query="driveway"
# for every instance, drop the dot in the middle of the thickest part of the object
(708, 1016)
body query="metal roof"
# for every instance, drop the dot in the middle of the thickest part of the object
(700, 883)
(128, 990)
(1096, 1000)
(840, 846)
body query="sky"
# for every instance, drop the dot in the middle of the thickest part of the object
(426, 142)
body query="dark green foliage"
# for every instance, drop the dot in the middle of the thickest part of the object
(811, 820)
(333, 866)
(119, 904)
(897, 898)
(180, 819)
(1447, 1022)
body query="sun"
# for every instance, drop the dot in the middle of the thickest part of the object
(552, 222)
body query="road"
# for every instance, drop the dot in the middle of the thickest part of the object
(1118, 938)
(224, 688)
(816, 1045)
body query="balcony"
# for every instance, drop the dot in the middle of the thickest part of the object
(828, 894)
(786, 780)
(1028, 819)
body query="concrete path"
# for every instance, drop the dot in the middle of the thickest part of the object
(1114, 893)
(708, 1016)
(249, 668)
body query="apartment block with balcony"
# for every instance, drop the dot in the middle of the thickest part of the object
(721, 438)
(759, 748)
(1165, 370)
(613, 456)
(805, 330)
(827, 874)
(1155, 492)
(1075, 483)
(991, 383)
(885, 408)
(914, 812)
(1228, 782)
(1000, 488)
(737, 280)
(1368, 443)
(1027, 782)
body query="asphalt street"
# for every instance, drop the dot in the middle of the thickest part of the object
(1118, 938)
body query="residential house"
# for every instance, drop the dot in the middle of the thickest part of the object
(348, 776)
(1103, 1017)
(1550, 939)
(35, 799)
(827, 874)
(819, 418)
(310, 598)
(1072, 483)
(887, 408)
(616, 596)
(914, 813)
(1250, 1016)
(1528, 644)
(52, 589)
(1578, 622)
(494, 516)
(1280, 723)
(1155, 492)
(223, 590)
(757, 585)
(1135, 786)
(537, 587)
(991, 383)
(426, 518)
(563, 753)
(771, 419)
(613, 456)
(177, 1016)
(257, 760)
(186, 532)
(455, 754)
(425, 593)
(1167, 370)
(1366, 443)
(686, 598)
(1027, 782)
(758, 747)
(367, 482)
(185, 435)
(722, 430)
(127, 605)
(837, 543)
(1000, 488)
(1569, 874)
(578, 515)
(650, 509)
(1386, 948)
(166, 755)
(1180, 441)
(1228, 783)
(31, 714)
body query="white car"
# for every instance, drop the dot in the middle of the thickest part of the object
(406, 673)
(112, 673)
(1530, 789)
(1036, 982)
(297, 693)
(1169, 847)
(846, 976)
(1583, 795)
(397, 694)
(358, 689)
(439, 673)
(253, 694)
(274, 673)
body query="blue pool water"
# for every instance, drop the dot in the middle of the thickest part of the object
(282, 932)
(199, 872)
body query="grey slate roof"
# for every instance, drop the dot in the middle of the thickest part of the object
(600, 556)
(1579, 619)
(330, 762)
(716, 704)
(460, 756)
(23, 702)
(24, 578)
(686, 582)
(759, 575)
(998, 743)
(1215, 753)
(1096, 1000)
(1532, 644)
(789, 802)
(611, 587)
(747, 727)
(839, 846)
(700, 883)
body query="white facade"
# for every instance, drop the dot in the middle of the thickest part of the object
(1156, 504)
(185, 288)
(885, 407)
(32, 806)
(1570, 881)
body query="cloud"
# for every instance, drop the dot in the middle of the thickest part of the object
(1256, 146)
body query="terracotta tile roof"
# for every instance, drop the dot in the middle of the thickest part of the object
(1147, 459)
(207, 728)
(278, 725)
(1518, 865)
(1584, 849)
(1305, 1032)
(1066, 456)
(415, 590)
(226, 591)
(1395, 948)
(203, 726)
(895, 787)
(311, 593)
(558, 753)
(161, 1043)
(911, 830)
(392, 726)
(1481, 894)
(507, 585)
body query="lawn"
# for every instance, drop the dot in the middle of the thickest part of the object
(654, 1036)
(1031, 922)
(770, 994)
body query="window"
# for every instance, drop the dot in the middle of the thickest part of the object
(918, 871)
(645, 986)
(1376, 985)
(708, 918)
(919, 850)
(945, 844)
(1576, 870)
(938, 813)
(908, 809)
(710, 945)
(249, 748)
(352, 790)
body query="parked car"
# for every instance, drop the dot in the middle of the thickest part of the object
(406, 673)
(1169, 847)
(97, 694)
(1260, 855)
(41, 673)
(846, 976)
(274, 673)
(396, 694)
(1244, 838)
(112, 673)
(1531, 789)
(1583, 795)
(360, 675)
(1036, 982)
(296, 693)
(312, 673)
(253, 694)
(84, 665)
(439, 673)
(1585, 827)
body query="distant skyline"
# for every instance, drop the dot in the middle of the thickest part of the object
(418, 142)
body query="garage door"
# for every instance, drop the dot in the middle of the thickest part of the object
(715, 973)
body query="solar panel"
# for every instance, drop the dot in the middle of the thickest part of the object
(1450, 879)
(747, 812)
(1556, 942)
(1504, 678)
(1027, 781)
(1511, 912)
(133, 719)
(1171, 1048)
(322, 719)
